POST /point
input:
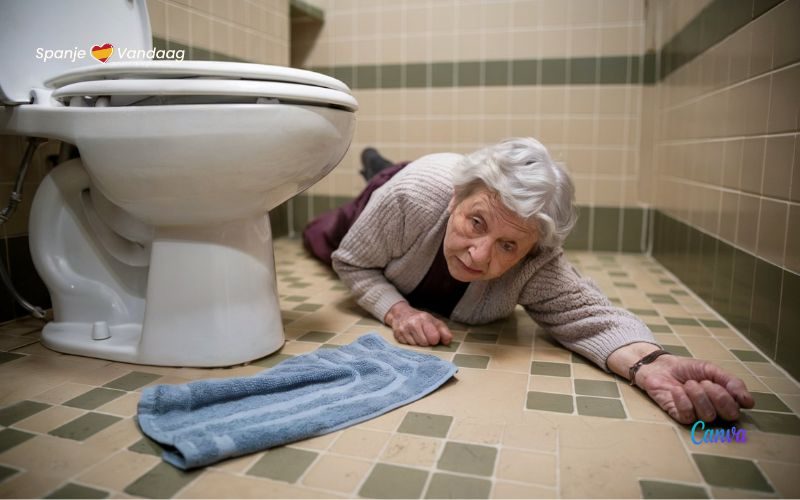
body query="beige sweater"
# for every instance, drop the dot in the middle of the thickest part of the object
(390, 247)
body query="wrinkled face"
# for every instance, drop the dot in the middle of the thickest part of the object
(484, 239)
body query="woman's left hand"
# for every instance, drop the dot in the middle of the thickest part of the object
(691, 389)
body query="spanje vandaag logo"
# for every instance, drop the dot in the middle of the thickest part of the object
(103, 53)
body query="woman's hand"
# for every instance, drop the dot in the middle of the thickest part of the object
(687, 389)
(414, 327)
(691, 389)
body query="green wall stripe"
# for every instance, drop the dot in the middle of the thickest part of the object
(610, 70)
(193, 53)
(716, 21)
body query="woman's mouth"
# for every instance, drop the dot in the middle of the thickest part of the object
(469, 269)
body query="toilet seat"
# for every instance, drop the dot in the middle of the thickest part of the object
(193, 69)
(291, 92)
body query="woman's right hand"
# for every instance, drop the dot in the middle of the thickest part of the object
(414, 327)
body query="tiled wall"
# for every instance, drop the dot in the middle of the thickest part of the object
(725, 175)
(457, 75)
(221, 30)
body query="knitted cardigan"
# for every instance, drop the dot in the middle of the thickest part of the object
(392, 244)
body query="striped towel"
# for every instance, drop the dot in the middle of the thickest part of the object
(206, 421)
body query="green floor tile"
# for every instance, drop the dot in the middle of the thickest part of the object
(681, 293)
(483, 338)
(659, 328)
(731, 472)
(162, 481)
(94, 398)
(618, 273)
(84, 426)
(72, 490)
(713, 323)
(682, 321)
(596, 388)
(283, 464)
(368, 322)
(577, 358)
(452, 347)
(426, 424)
(779, 423)
(271, 360)
(6, 472)
(10, 438)
(468, 459)
(678, 350)
(132, 381)
(307, 307)
(599, 407)
(471, 361)
(644, 312)
(451, 486)
(547, 401)
(551, 369)
(20, 411)
(769, 402)
(5, 357)
(745, 355)
(624, 284)
(316, 336)
(392, 481)
(300, 285)
(296, 298)
(147, 446)
(661, 489)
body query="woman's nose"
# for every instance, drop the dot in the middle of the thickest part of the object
(481, 252)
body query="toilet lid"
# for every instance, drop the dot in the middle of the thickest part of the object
(206, 87)
(142, 70)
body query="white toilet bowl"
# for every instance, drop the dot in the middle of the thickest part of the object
(156, 245)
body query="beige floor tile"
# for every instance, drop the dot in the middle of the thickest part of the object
(783, 477)
(527, 467)
(49, 419)
(31, 484)
(538, 432)
(217, 484)
(103, 374)
(474, 430)
(297, 348)
(513, 359)
(363, 443)
(503, 489)
(416, 451)
(591, 372)
(340, 474)
(552, 355)
(793, 402)
(387, 422)
(590, 444)
(62, 393)
(781, 385)
(545, 383)
(116, 436)
(319, 442)
(474, 393)
(124, 406)
(708, 348)
(119, 470)
(9, 343)
(640, 406)
(764, 369)
(238, 465)
(328, 319)
(59, 458)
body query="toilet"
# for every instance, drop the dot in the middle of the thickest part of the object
(156, 244)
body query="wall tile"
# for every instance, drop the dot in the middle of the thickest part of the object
(789, 327)
(772, 231)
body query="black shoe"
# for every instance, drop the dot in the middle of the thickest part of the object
(372, 163)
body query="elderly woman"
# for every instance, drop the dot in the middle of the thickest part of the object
(470, 238)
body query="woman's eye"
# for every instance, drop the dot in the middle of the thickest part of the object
(476, 222)
(508, 247)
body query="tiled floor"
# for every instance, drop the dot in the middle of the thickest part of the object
(522, 418)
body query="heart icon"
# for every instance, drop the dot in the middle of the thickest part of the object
(102, 52)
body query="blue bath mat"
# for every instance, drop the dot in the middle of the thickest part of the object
(206, 421)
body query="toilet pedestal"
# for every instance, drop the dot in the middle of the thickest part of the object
(210, 297)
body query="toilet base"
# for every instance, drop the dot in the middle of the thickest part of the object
(205, 296)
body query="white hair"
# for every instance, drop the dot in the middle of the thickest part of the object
(529, 183)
